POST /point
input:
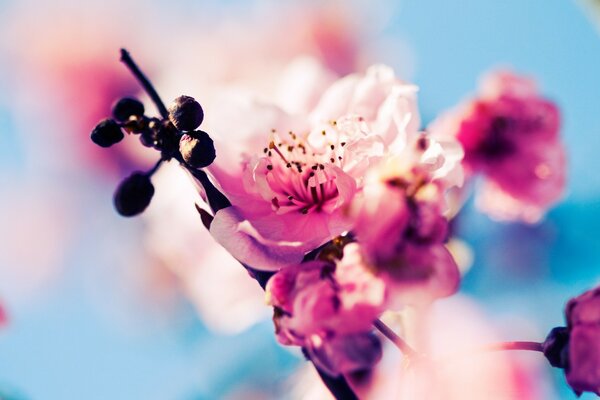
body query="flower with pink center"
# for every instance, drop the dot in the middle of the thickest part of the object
(296, 186)
(510, 135)
(401, 225)
(329, 308)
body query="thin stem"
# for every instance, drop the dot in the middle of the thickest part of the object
(135, 70)
(394, 338)
(508, 346)
(494, 347)
(155, 168)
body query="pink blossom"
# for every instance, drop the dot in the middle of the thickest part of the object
(202, 269)
(317, 297)
(299, 172)
(401, 225)
(583, 319)
(510, 135)
(452, 369)
(328, 308)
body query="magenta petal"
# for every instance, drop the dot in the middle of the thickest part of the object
(424, 274)
(238, 237)
(584, 359)
(584, 309)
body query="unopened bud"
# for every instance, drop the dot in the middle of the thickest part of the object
(186, 113)
(127, 107)
(133, 194)
(107, 133)
(197, 149)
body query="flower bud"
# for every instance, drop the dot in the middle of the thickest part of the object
(197, 149)
(556, 347)
(107, 133)
(127, 107)
(186, 113)
(133, 194)
(148, 138)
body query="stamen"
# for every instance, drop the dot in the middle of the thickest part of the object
(273, 147)
(314, 194)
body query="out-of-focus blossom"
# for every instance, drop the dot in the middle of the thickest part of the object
(296, 174)
(329, 309)
(401, 225)
(453, 370)
(3, 316)
(583, 353)
(30, 223)
(202, 268)
(510, 135)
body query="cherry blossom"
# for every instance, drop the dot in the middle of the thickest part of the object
(299, 173)
(329, 309)
(401, 225)
(510, 134)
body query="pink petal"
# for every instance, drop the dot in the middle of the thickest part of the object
(238, 237)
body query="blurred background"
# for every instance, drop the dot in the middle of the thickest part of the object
(99, 306)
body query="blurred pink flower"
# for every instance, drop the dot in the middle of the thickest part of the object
(510, 134)
(298, 174)
(3, 316)
(329, 309)
(453, 370)
(202, 269)
(33, 211)
(583, 320)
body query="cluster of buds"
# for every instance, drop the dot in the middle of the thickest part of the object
(175, 136)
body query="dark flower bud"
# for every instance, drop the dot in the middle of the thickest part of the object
(127, 107)
(556, 347)
(134, 194)
(186, 113)
(197, 149)
(148, 137)
(107, 133)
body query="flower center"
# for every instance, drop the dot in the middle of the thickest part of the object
(301, 169)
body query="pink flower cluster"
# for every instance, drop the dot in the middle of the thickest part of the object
(303, 170)
(510, 135)
(328, 307)
(353, 164)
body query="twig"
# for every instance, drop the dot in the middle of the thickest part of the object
(135, 70)
(508, 346)
(394, 338)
